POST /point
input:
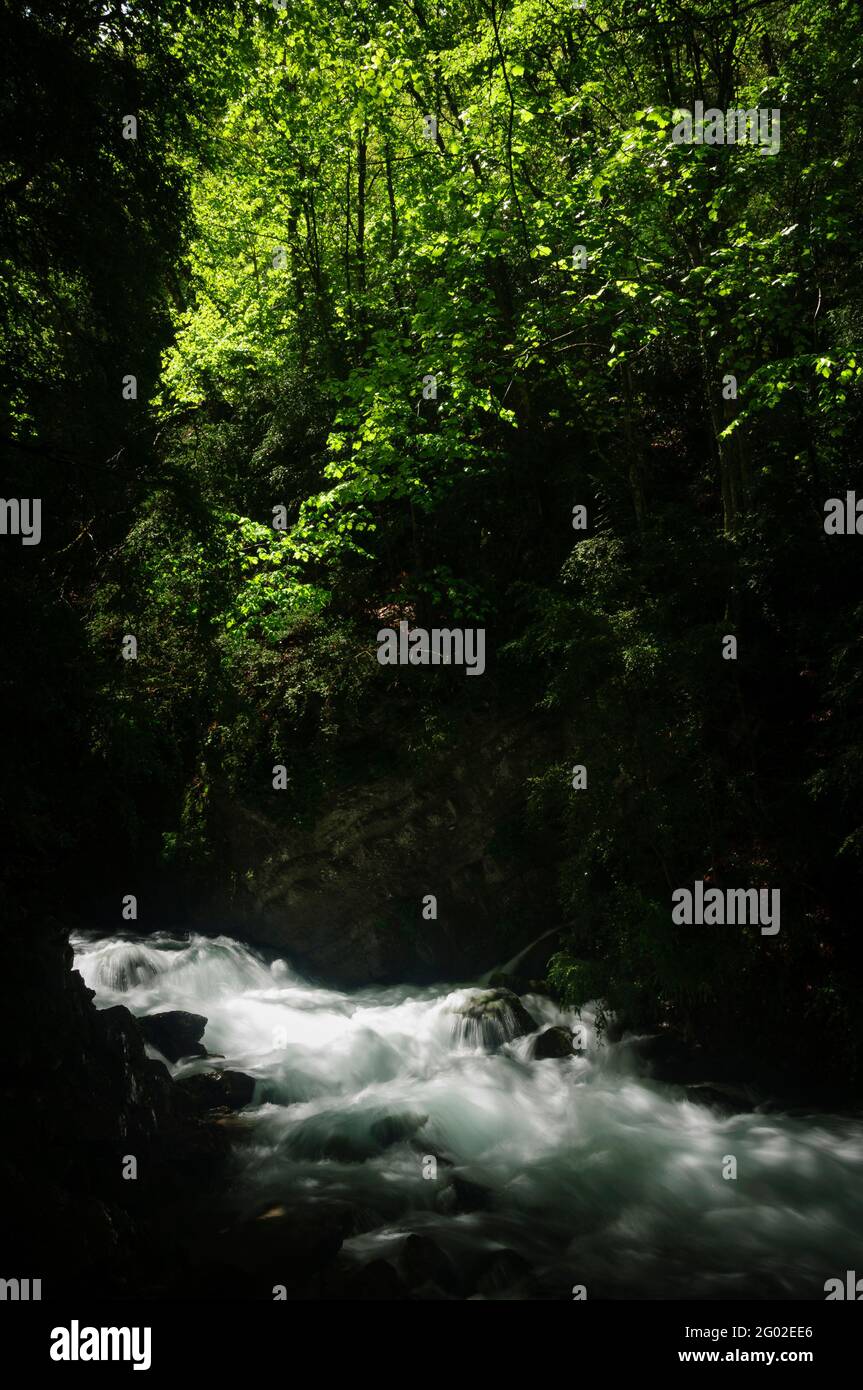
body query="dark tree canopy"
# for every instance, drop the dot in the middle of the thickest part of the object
(429, 277)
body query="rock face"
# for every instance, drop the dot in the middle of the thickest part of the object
(81, 1097)
(175, 1033)
(344, 899)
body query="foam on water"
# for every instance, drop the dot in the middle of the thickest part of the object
(591, 1172)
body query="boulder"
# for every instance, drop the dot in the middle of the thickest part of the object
(461, 1195)
(499, 1272)
(332, 1135)
(728, 1100)
(393, 1129)
(288, 1247)
(489, 1017)
(214, 1090)
(376, 1282)
(522, 984)
(553, 1042)
(431, 1293)
(175, 1033)
(422, 1262)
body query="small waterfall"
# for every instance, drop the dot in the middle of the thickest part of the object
(120, 970)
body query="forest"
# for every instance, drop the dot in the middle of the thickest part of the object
(330, 319)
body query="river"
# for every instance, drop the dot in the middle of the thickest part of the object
(546, 1175)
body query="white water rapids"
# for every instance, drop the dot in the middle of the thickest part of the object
(592, 1173)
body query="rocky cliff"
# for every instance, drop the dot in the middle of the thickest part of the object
(345, 899)
(81, 1097)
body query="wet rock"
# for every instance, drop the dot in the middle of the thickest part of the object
(239, 1127)
(490, 1017)
(158, 1071)
(729, 1100)
(393, 1129)
(122, 1033)
(670, 1058)
(214, 1090)
(662, 1056)
(193, 1159)
(329, 1136)
(422, 1262)
(553, 1042)
(543, 987)
(472, 1196)
(88, 1105)
(431, 1293)
(461, 1196)
(421, 1147)
(499, 1272)
(175, 1033)
(338, 1148)
(281, 1246)
(375, 1282)
(140, 1089)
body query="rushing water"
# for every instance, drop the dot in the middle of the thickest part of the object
(590, 1172)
